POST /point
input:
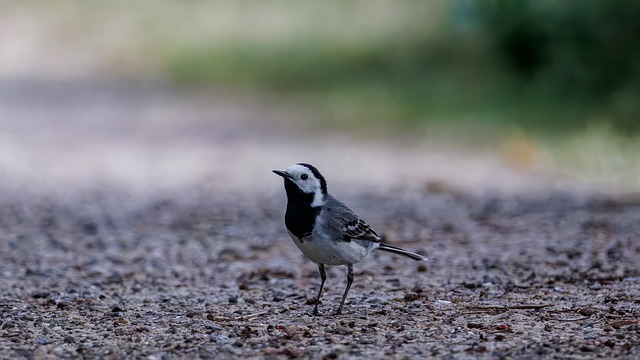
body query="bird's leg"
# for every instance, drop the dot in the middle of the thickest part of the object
(323, 276)
(346, 291)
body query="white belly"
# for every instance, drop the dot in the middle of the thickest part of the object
(329, 252)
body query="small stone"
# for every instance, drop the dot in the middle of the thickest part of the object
(270, 351)
(292, 352)
(7, 325)
(40, 294)
(442, 304)
(214, 327)
(489, 279)
(62, 304)
(595, 286)
(90, 228)
(610, 343)
(340, 349)
(122, 331)
(311, 301)
(587, 311)
(343, 330)
(141, 328)
(411, 296)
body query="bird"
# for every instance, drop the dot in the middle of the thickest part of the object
(325, 229)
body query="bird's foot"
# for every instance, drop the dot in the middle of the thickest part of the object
(316, 312)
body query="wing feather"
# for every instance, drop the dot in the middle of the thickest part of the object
(359, 229)
(343, 220)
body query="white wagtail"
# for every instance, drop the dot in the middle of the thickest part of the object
(325, 229)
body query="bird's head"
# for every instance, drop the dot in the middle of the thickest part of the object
(305, 179)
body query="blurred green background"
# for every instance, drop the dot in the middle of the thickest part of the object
(540, 65)
(560, 78)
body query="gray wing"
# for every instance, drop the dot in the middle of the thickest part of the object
(358, 229)
(347, 223)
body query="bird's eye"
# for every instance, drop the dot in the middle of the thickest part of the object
(304, 176)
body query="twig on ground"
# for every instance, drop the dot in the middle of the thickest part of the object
(619, 323)
(251, 316)
(507, 307)
(557, 311)
(520, 307)
(571, 319)
(474, 312)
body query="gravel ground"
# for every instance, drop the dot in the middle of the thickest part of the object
(203, 275)
(146, 224)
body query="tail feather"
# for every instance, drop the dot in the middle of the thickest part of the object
(397, 250)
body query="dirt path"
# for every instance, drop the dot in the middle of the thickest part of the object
(144, 224)
(98, 276)
(149, 139)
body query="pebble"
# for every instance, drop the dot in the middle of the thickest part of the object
(214, 327)
(340, 349)
(292, 352)
(40, 294)
(62, 304)
(122, 331)
(442, 304)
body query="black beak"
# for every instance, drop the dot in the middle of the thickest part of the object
(284, 174)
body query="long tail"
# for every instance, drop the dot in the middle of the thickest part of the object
(397, 250)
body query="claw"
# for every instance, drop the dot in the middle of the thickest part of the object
(315, 311)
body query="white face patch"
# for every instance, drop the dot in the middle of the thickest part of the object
(303, 177)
